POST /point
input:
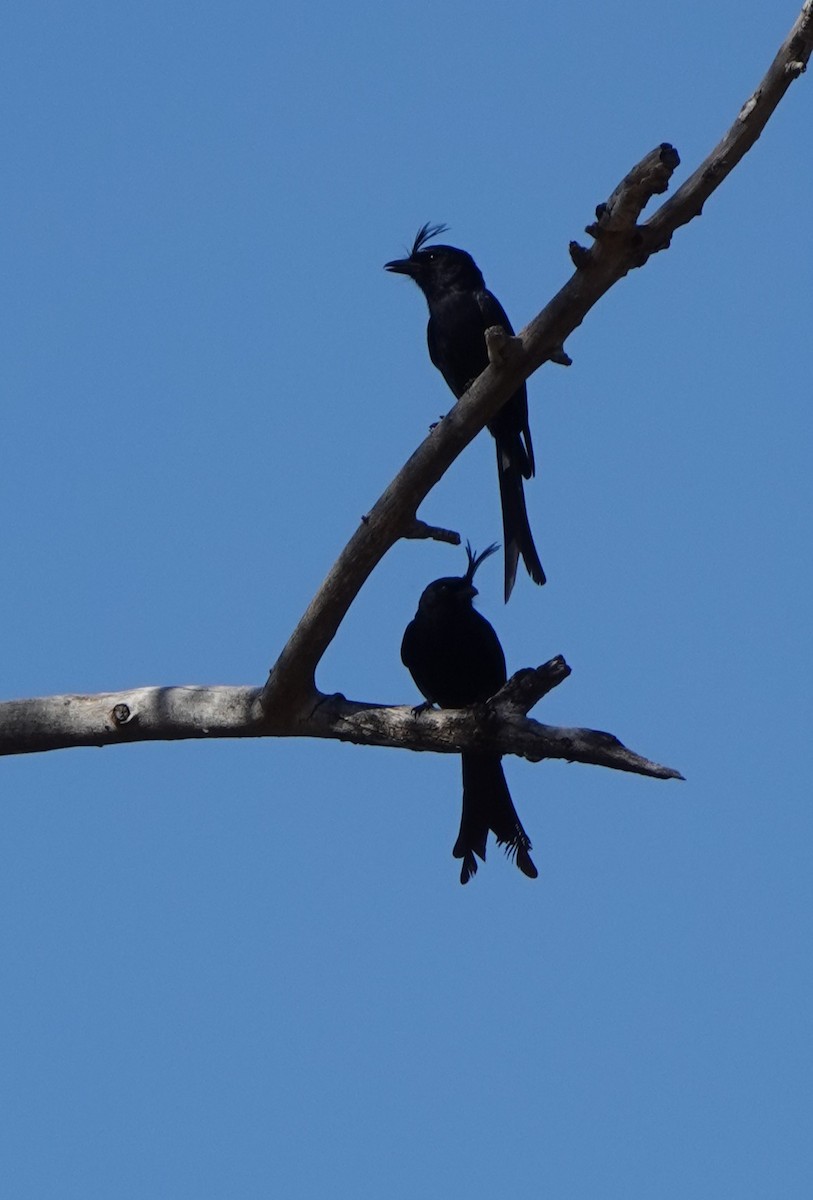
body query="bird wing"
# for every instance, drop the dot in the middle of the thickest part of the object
(492, 311)
(512, 420)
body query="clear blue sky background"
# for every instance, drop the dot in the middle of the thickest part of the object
(248, 969)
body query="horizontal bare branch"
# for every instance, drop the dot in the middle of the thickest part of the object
(176, 713)
(451, 731)
(138, 715)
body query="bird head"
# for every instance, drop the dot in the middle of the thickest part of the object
(455, 590)
(437, 269)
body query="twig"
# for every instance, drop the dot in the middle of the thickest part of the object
(419, 530)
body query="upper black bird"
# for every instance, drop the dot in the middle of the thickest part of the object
(461, 308)
(456, 659)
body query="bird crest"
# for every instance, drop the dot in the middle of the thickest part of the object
(476, 559)
(425, 234)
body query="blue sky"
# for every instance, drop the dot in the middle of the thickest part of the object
(248, 969)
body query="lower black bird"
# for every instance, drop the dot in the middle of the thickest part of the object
(456, 659)
(461, 309)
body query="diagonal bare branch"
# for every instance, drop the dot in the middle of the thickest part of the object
(790, 62)
(621, 244)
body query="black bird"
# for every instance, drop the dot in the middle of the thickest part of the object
(456, 659)
(461, 309)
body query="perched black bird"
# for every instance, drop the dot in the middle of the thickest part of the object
(461, 309)
(456, 659)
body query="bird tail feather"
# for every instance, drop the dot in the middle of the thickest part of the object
(517, 537)
(487, 804)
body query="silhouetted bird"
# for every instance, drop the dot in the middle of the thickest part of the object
(456, 659)
(460, 310)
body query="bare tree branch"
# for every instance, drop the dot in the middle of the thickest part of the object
(789, 63)
(289, 705)
(177, 713)
(620, 245)
(137, 715)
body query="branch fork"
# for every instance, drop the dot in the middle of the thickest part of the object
(290, 703)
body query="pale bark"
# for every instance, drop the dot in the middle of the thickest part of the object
(289, 705)
(176, 713)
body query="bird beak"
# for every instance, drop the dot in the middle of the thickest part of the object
(401, 266)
